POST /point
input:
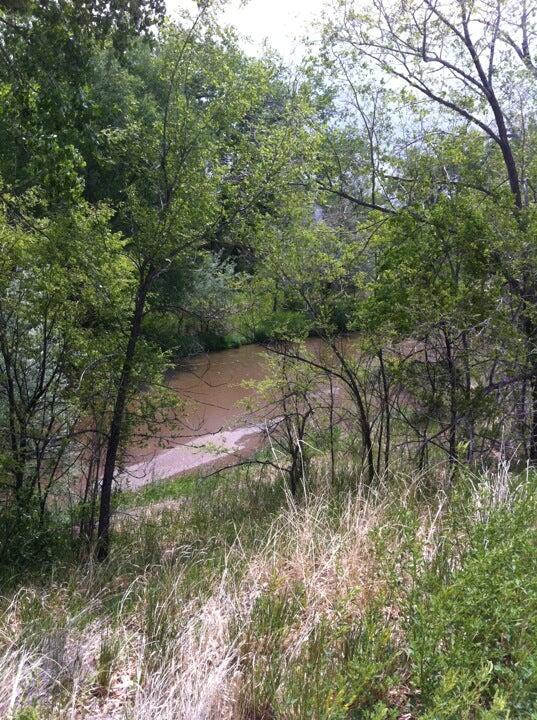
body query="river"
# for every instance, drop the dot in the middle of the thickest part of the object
(214, 428)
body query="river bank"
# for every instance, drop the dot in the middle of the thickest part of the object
(215, 428)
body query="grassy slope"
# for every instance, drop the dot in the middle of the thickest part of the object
(231, 602)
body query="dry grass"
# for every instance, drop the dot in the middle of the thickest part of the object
(188, 636)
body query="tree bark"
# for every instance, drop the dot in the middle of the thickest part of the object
(387, 411)
(103, 534)
(533, 428)
(453, 405)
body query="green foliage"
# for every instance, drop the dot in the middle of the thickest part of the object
(31, 540)
(347, 667)
(29, 713)
(472, 634)
(197, 307)
(105, 665)
(463, 647)
(164, 193)
(435, 269)
(136, 166)
(284, 325)
(442, 628)
(65, 285)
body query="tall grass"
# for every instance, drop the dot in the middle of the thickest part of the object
(239, 603)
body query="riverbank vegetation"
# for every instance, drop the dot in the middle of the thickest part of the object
(163, 193)
(236, 602)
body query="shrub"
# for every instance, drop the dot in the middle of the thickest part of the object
(472, 617)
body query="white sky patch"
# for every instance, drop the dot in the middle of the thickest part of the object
(282, 23)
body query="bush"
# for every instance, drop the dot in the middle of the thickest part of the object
(472, 618)
(283, 324)
(335, 607)
(29, 541)
(211, 342)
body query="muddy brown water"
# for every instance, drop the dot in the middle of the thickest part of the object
(214, 427)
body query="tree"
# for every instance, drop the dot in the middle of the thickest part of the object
(63, 291)
(50, 62)
(205, 169)
(472, 64)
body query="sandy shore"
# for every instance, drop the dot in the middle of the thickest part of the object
(218, 449)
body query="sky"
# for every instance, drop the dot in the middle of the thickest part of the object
(281, 22)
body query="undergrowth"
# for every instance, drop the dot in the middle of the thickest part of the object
(231, 600)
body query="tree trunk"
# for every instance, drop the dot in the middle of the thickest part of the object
(469, 411)
(365, 425)
(387, 411)
(533, 427)
(453, 405)
(114, 438)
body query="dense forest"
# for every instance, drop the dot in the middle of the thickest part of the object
(368, 218)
